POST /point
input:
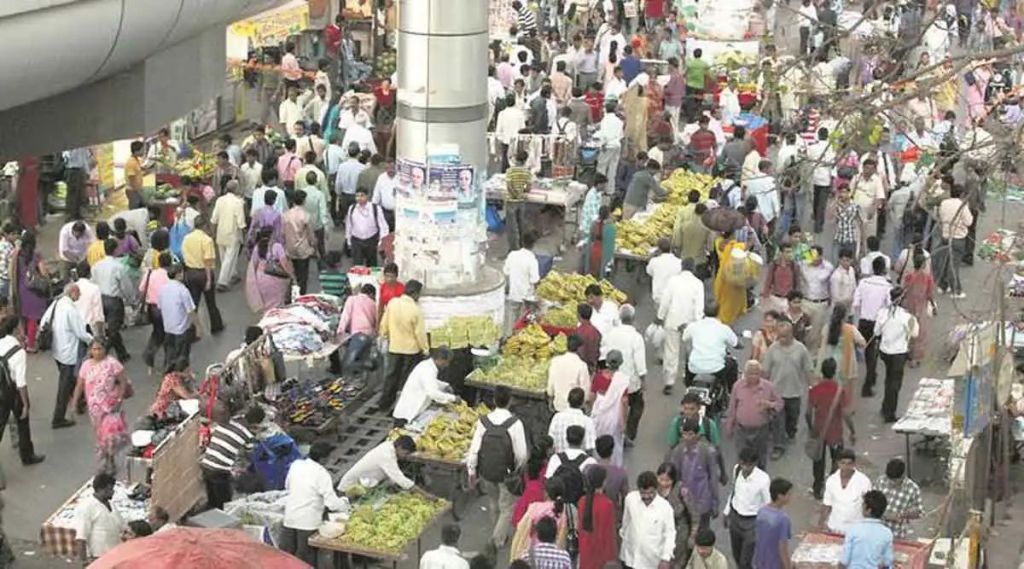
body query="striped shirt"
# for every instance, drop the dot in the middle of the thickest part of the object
(518, 181)
(526, 19)
(226, 443)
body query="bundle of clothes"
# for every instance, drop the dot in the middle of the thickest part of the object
(303, 327)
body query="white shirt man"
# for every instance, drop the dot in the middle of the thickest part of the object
(510, 121)
(249, 177)
(523, 272)
(895, 327)
(289, 112)
(17, 363)
(334, 155)
(749, 494)
(709, 340)
(822, 156)
(309, 490)
(661, 269)
(867, 260)
(68, 332)
(763, 188)
(444, 557)
(90, 304)
(626, 339)
(98, 526)
(421, 389)
(378, 465)
(565, 372)
(516, 434)
(611, 131)
(566, 418)
(384, 191)
(360, 135)
(648, 531)
(572, 454)
(846, 503)
(682, 303)
(605, 317)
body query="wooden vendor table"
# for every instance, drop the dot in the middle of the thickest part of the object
(570, 200)
(173, 472)
(531, 406)
(928, 414)
(623, 261)
(57, 534)
(342, 552)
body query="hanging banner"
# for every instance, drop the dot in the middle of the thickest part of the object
(274, 26)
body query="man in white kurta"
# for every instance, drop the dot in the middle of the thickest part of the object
(682, 303)
(229, 217)
(648, 527)
(422, 388)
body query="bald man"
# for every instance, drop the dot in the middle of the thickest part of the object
(751, 405)
(69, 332)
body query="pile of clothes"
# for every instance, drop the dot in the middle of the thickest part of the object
(303, 327)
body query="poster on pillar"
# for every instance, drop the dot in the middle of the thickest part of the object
(445, 182)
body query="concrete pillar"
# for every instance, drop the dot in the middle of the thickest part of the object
(440, 236)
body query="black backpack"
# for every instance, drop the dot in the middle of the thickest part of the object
(8, 389)
(496, 459)
(572, 477)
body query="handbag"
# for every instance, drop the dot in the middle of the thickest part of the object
(815, 444)
(44, 335)
(141, 309)
(36, 282)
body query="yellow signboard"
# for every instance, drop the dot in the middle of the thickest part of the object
(275, 26)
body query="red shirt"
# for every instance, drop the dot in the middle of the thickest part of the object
(385, 100)
(820, 399)
(596, 102)
(601, 381)
(332, 38)
(590, 351)
(702, 143)
(655, 8)
(389, 291)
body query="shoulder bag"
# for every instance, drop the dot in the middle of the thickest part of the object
(44, 335)
(273, 267)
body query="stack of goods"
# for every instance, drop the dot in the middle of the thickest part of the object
(563, 288)
(466, 331)
(386, 521)
(200, 167)
(524, 362)
(312, 404)
(1002, 246)
(129, 506)
(640, 235)
(262, 509)
(305, 327)
(532, 342)
(448, 435)
(563, 317)
(385, 63)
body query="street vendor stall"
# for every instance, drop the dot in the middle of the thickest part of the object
(57, 534)
(382, 525)
(308, 408)
(929, 413)
(818, 550)
(561, 193)
(171, 467)
(304, 330)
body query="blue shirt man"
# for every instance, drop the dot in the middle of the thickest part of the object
(868, 544)
(175, 305)
(631, 66)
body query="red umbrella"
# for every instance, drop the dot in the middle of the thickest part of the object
(197, 548)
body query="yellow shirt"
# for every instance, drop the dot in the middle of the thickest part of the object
(197, 250)
(133, 173)
(402, 324)
(95, 253)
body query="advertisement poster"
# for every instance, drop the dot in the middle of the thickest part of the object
(439, 182)
(412, 178)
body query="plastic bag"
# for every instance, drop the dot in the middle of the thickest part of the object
(655, 335)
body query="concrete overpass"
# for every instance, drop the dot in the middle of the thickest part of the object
(78, 72)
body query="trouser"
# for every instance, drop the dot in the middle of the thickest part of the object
(321, 243)
(705, 518)
(899, 240)
(788, 216)
(389, 218)
(156, 334)
(218, 488)
(113, 313)
(849, 246)
(608, 164)
(673, 117)
(26, 450)
(972, 239)
(296, 542)
(818, 203)
(817, 312)
(500, 503)
(195, 280)
(504, 156)
(356, 346)
(880, 223)
(584, 80)
(513, 310)
(894, 366)
(742, 536)
(805, 40)
(946, 264)
(401, 365)
(65, 389)
(694, 100)
(333, 204)
(515, 223)
(364, 251)
(636, 410)
(134, 199)
(867, 329)
(727, 375)
(228, 263)
(176, 346)
(818, 467)
(755, 438)
(671, 355)
(301, 267)
(77, 178)
(785, 423)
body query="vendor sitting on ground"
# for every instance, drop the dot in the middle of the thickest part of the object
(380, 465)
(176, 385)
(423, 387)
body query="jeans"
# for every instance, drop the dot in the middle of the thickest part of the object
(742, 537)
(785, 423)
(401, 365)
(899, 241)
(176, 346)
(195, 280)
(65, 389)
(636, 410)
(946, 264)
(218, 488)
(867, 329)
(156, 334)
(113, 313)
(608, 164)
(818, 204)
(818, 467)
(26, 450)
(296, 542)
(301, 267)
(500, 503)
(894, 366)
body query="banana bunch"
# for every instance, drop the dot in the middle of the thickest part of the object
(682, 181)
(530, 342)
(565, 288)
(561, 316)
(640, 236)
(201, 165)
(392, 525)
(735, 59)
(525, 374)
(463, 331)
(449, 434)
(560, 344)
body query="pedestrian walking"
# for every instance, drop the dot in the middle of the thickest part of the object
(870, 297)
(648, 526)
(625, 338)
(299, 239)
(365, 226)
(228, 218)
(773, 529)
(895, 328)
(115, 284)
(105, 386)
(32, 292)
(827, 411)
(402, 325)
(697, 465)
(199, 256)
(752, 405)
(788, 366)
(179, 316)
(69, 333)
(14, 398)
(750, 493)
